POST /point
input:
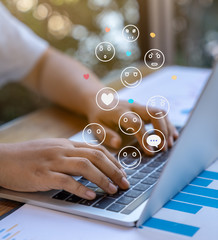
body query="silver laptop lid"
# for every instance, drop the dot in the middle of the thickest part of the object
(196, 148)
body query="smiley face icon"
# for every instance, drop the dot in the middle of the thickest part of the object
(130, 33)
(93, 131)
(105, 51)
(154, 59)
(129, 157)
(131, 77)
(130, 123)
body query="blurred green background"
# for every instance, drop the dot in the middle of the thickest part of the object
(77, 26)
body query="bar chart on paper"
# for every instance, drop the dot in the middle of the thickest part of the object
(192, 213)
(13, 232)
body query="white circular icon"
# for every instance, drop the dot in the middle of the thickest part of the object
(130, 123)
(129, 157)
(107, 99)
(131, 77)
(154, 138)
(160, 103)
(154, 59)
(92, 130)
(105, 51)
(130, 33)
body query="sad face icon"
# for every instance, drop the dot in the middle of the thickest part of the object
(130, 123)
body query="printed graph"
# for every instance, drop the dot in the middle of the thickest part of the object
(13, 232)
(191, 211)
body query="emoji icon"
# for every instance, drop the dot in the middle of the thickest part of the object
(86, 76)
(130, 33)
(174, 77)
(105, 51)
(128, 53)
(107, 29)
(107, 98)
(130, 123)
(160, 103)
(92, 130)
(154, 138)
(131, 77)
(154, 59)
(129, 157)
(153, 35)
(131, 101)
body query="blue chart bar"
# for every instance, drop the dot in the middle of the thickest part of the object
(2, 230)
(183, 207)
(209, 174)
(207, 192)
(201, 182)
(7, 235)
(199, 200)
(172, 227)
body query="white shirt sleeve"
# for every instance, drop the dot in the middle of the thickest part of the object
(20, 48)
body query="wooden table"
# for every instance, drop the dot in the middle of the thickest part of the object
(45, 123)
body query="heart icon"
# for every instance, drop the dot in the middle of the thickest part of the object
(107, 99)
(128, 53)
(86, 76)
(107, 29)
(153, 35)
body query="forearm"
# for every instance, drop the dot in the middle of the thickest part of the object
(60, 79)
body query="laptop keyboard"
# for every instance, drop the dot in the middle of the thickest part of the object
(142, 179)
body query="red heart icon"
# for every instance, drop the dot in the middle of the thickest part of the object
(86, 76)
(107, 29)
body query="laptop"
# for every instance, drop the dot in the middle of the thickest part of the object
(155, 181)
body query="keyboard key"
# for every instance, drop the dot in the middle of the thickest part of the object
(161, 159)
(160, 169)
(62, 195)
(140, 175)
(137, 202)
(83, 181)
(90, 202)
(103, 203)
(133, 181)
(91, 185)
(129, 172)
(141, 187)
(116, 207)
(147, 169)
(154, 164)
(139, 166)
(125, 200)
(118, 194)
(99, 190)
(83, 178)
(133, 193)
(149, 181)
(155, 175)
(145, 159)
(73, 199)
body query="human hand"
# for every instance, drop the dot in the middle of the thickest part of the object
(47, 164)
(109, 120)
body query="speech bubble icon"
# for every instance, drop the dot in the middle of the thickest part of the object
(153, 140)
